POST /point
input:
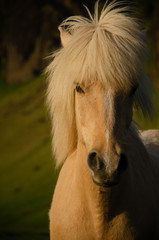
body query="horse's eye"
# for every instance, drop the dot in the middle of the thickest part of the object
(79, 89)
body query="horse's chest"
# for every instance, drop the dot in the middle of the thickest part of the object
(72, 225)
(77, 223)
(116, 229)
(74, 222)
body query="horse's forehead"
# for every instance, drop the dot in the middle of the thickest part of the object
(110, 91)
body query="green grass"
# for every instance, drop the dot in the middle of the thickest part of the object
(148, 123)
(27, 176)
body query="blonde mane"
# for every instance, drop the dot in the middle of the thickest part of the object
(109, 48)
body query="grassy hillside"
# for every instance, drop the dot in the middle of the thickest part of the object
(27, 176)
(147, 123)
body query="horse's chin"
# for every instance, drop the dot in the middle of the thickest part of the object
(106, 184)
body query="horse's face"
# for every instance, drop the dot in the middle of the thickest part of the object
(103, 119)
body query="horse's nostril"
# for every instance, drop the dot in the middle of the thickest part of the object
(94, 162)
(92, 155)
(123, 163)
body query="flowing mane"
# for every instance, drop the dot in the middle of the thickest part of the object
(109, 48)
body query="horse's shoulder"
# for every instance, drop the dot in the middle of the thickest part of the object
(150, 138)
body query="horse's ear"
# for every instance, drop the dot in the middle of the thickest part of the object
(65, 36)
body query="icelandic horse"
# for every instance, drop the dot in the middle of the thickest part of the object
(108, 187)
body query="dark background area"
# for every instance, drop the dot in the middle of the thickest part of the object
(28, 34)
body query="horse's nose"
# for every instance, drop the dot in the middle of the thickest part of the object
(94, 162)
(106, 172)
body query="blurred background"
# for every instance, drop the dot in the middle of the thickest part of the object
(28, 34)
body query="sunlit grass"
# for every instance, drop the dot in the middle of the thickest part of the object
(27, 176)
(149, 123)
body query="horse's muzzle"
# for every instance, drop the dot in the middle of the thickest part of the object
(106, 172)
